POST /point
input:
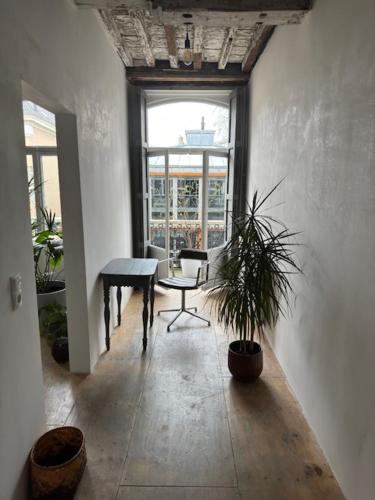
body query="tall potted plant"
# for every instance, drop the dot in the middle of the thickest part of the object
(255, 284)
(48, 257)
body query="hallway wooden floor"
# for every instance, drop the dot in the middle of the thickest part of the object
(172, 424)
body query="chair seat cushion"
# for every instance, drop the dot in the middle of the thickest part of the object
(179, 283)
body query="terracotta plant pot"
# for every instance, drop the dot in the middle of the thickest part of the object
(60, 350)
(245, 366)
(57, 462)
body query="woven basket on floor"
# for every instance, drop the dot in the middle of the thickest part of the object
(57, 462)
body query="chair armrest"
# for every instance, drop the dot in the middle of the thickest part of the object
(173, 259)
(201, 270)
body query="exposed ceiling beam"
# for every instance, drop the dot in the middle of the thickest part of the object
(116, 37)
(256, 47)
(231, 5)
(210, 13)
(214, 19)
(197, 60)
(186, 5)
(142, 32)
(226, 48)
(198, 39)
(198, 47)
(112, 4)
(209, 74)
(170, 35)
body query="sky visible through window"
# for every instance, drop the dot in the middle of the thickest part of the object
(167, 123)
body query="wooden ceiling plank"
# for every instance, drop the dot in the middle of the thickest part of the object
(170, 35)
(138, 19)
(118, 41)
(226, 48)
(256, 47)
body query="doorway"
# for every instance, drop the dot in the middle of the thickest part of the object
(47, 233)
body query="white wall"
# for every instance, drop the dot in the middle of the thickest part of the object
(313, 121)
(67, 57)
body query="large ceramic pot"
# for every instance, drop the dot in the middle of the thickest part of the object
(245, 366)
(56, 294)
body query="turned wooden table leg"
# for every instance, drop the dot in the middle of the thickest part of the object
(119, 296)
(145, 316)
(152, 299)
(106, 315)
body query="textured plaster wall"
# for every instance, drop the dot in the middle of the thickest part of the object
(67, 57)
(313, 122)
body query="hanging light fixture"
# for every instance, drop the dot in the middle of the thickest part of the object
(188, 53)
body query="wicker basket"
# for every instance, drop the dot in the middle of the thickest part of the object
(57, 462)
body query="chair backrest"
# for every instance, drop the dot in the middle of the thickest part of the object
(192, 254)
(191, 261)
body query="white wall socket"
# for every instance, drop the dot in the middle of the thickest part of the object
(16, 291)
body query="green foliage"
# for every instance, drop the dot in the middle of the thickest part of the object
(48, 252)
(256, 267)
(53, 321)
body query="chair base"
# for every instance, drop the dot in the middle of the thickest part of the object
(181, 310)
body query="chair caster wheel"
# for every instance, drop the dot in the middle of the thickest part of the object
(168, 329)
(209, 324)
(196, 309)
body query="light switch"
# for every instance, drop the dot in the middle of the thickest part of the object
(16, 291)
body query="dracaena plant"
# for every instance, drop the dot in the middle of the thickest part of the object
(48, 252)
(257, 263)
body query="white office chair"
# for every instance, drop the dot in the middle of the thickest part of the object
(193, 277)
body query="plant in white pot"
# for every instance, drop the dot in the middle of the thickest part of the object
(255, 284)
(48, 258)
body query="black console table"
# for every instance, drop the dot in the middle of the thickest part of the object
(138, 273)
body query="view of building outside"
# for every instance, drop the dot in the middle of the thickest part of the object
(40, 140)
(185, 177)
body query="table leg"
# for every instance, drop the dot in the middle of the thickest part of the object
(152, 299)
(106, 315)
(145, 316)
(119, 296)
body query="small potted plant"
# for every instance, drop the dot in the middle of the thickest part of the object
(53, 325)
(255, 284)
(48, 257)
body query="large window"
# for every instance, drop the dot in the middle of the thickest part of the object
(41, 161)
(188, 152)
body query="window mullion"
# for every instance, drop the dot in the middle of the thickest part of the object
(205, 200)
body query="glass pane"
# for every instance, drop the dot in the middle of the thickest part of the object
(157, 200)
(217, 182)
(39, 125)
(185, 219)
(194, 124)
(31, 183)
(51, 187)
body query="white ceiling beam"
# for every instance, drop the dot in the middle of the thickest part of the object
(138, 19)
(118, 41)
(226, 48)
(226, 19)
(198, 47)
(170, 35)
